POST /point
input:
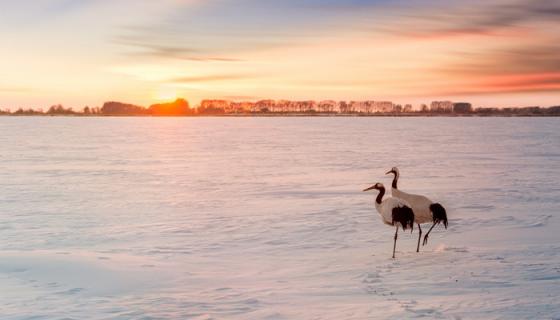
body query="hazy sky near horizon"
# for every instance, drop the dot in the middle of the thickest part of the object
(85, 52)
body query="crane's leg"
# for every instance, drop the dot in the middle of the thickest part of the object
(427, 234)
(419, 236)
(395, 243)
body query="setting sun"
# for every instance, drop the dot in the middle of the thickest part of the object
(165, 93)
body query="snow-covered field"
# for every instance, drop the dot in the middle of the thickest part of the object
(264, 218)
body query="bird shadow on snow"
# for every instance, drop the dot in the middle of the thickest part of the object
(465, 223)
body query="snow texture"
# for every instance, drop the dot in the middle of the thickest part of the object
(264, 218)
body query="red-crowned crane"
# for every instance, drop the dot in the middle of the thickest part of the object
(425, 210)
(393, 211)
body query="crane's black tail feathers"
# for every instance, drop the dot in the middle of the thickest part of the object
(439, 214)
(405, 216)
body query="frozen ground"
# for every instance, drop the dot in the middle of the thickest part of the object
(258, 218)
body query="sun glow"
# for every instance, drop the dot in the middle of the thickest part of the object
(165, 93)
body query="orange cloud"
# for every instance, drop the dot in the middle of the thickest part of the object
(519, 83)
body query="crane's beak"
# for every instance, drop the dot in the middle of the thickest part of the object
(390, 171)
(370, 188)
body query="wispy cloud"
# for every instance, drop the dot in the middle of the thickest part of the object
(218, 28)
(540, 58)
(145, 47)
(461, 18)
(523, 84)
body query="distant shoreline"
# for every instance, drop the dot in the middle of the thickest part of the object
(291, 115)
(286, 108)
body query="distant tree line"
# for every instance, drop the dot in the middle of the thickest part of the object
(524, 111)
(181, 107)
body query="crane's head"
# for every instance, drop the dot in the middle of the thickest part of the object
(394, 171)
(377, 186)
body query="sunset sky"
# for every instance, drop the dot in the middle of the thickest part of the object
(85, 52)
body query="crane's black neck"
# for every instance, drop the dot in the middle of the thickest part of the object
(395, 180)
(380, 195)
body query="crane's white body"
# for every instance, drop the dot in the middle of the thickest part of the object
(424, 209)
(419, 204)
(385, 208)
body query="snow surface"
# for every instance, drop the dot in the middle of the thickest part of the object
(264, 218)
